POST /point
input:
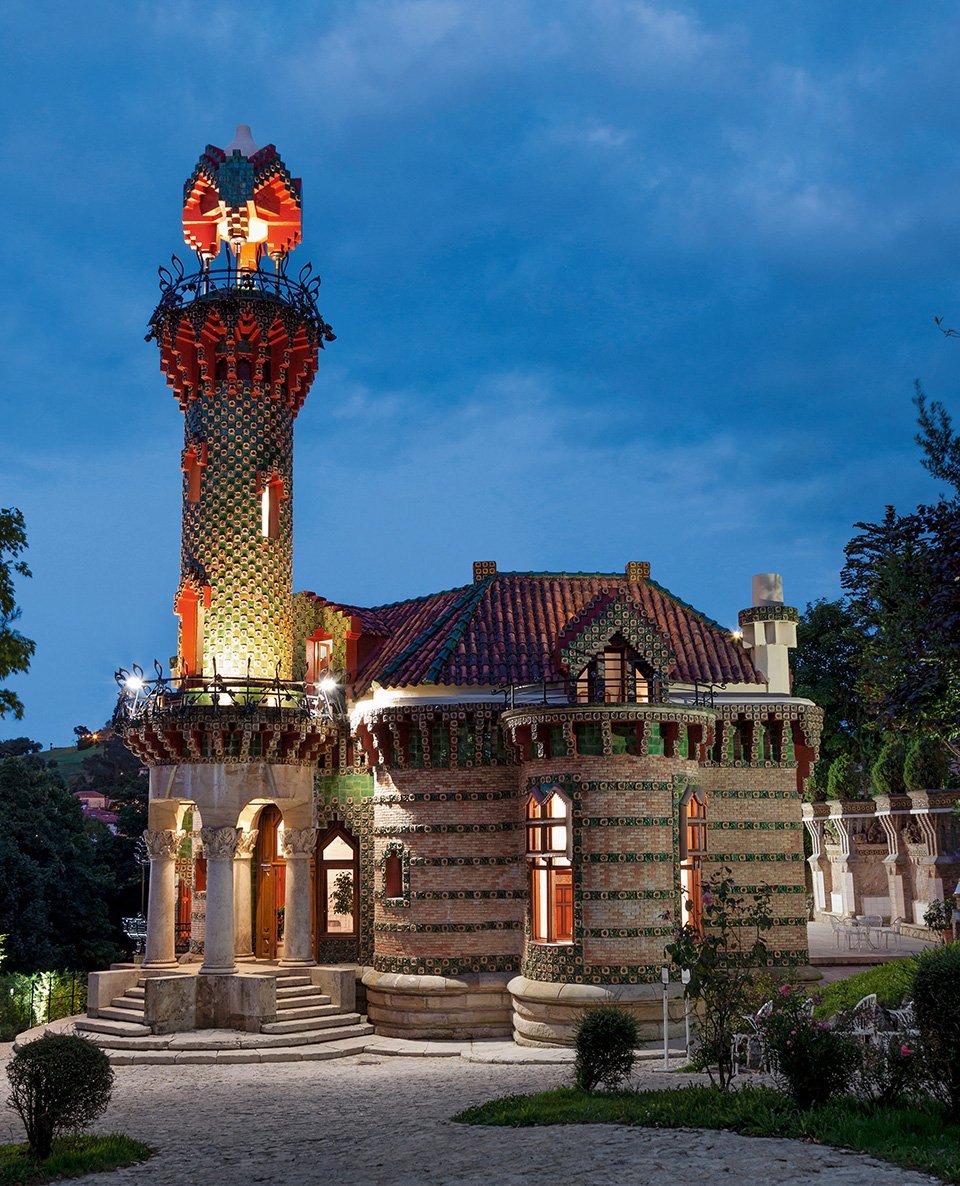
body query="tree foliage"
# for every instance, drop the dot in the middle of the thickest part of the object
(15, 650)
(54, 882)
(886, 657)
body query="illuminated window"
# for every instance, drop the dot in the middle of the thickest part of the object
(693, 851)
(338, 883)
(551, 877)
(613, 677)
(270, 508)
(319, 656)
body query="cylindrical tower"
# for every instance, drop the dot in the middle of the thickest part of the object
(239, 347)
(228, 731)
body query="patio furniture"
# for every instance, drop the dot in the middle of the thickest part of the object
(748, 1047)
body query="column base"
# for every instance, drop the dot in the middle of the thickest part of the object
(160, 966)
(246, 956)
(292, 963)
(229, 970)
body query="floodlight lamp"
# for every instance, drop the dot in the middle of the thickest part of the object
(328, 684)
(133, 683)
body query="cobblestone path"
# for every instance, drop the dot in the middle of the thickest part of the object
(386, 1122)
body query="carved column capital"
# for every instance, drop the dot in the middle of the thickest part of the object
(220, 844)
(163, 843)
(246, 844)
(299, 842)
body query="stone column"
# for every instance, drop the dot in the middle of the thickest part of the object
(219, 846)
(299, 845)
(162, 848)
(243, 896)
(815, 832)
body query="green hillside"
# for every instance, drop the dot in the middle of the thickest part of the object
(68, 759)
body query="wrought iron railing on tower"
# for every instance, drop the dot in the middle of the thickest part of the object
(177, 289)
(649, 690)
(165, 697)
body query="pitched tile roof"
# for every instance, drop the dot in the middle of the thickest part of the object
(504, 629)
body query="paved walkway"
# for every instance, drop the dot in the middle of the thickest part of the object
(373, 1120)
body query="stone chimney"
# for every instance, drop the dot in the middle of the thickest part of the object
(483, 569)
(769, 631)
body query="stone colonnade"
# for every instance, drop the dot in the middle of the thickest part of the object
(891, 855)
(229, 798)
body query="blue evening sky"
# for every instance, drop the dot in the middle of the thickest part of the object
(612, 280)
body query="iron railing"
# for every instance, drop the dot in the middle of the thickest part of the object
(646, 690)
(178, 289)
(165, 697)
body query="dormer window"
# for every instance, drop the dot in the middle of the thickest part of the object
(613, 677)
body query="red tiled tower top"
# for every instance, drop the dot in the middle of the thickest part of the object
(506, 628)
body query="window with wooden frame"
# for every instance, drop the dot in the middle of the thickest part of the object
(194, 459)
(613, 677)
(693, 851)
(319, 656)
(551, 875)
(338, 877)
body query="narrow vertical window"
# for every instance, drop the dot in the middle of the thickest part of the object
(270, 508)
(693, 850)
(192, 469)
(551, 876)
(393, 875)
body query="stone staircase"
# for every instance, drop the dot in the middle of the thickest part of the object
(308, 1026)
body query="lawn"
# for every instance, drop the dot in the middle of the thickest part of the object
(71, 1157)
(892, 982)
(913, 1137)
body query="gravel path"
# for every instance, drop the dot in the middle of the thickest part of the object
(378, 1121)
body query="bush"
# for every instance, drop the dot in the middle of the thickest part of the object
(59, 1084)
(926, 767)
(605, 1038)
(722, 957)
(938, 917)
(936, 1004)
(813, 1060)
(889, 1070)
(843, 781)
(891, 982)
(887, 770)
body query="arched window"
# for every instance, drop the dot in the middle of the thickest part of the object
(693, 850)
(338, 884)
(551, 876)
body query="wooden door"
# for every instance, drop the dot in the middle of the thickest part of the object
(271, 870)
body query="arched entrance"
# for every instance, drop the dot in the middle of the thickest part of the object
(271, 878)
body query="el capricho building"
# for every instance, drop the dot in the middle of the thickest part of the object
(488, 804)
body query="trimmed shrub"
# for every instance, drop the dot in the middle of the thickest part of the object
(936, 1005)
(59, 1083)
(605, 1038)
(887, 770)
(843, 780)
(813, 1060)
(926, 767)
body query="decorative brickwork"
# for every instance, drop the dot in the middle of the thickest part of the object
(768, 613)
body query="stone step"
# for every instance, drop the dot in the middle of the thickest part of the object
(121, 1029)
(348, 1042)
(301, 990)
(293, 982)
(294, 1013)
(126, 1002)
(136, 991)
(309, 1024)
(112, 1014)
(314, 1002)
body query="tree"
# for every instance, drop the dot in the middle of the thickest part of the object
(54, 884)
(826, 670)
(18, 747)
(15, 650)
(903, 581)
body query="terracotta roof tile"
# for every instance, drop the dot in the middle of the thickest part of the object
(505, 630)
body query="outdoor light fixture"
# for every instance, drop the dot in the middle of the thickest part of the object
(328, 684)
(133, 683)
(736, 635)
